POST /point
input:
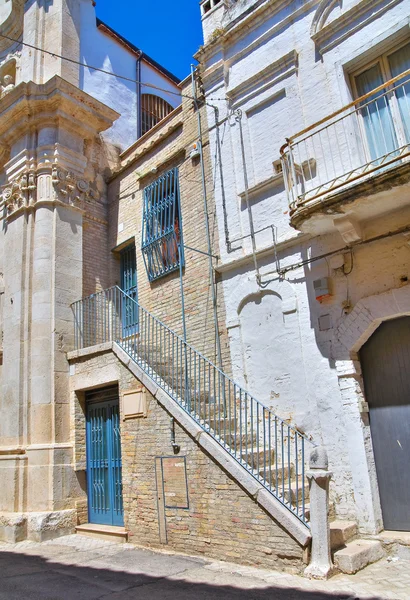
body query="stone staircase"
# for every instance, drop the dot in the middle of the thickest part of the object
(264, 454)
(350, 553)
(280, 474)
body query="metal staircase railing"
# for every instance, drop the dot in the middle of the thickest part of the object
(269, 448)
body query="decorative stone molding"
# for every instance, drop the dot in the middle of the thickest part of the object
(322, 12)
(59, 186)
(248, 287)
(20, 193)
(71, 189)
(327, 35)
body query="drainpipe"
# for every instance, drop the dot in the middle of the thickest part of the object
(221, 177)
(208, 236)
(238, 119)
(138, 78)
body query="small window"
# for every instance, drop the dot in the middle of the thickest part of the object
(161, 233)
(153, 110)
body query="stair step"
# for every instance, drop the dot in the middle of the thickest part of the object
(257, 458)
(273, 477)
(294, 493)
(341, 532)
(103, 532)
(357, 555)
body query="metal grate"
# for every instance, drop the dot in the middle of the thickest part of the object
(161, 235)
(153, 110)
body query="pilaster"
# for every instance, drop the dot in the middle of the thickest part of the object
(49, 184)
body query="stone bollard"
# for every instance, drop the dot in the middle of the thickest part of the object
(321, 566)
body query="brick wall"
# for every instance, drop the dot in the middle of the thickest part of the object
(165, 147)
(222, 521)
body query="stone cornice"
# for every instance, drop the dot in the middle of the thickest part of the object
(249, 19)
(332, 34)
(266, 77)
(30, 104)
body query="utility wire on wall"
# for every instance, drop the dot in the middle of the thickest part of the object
(111, 73)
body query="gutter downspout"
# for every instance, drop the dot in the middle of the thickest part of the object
(238, 119)
(139, 112)
(208, 236)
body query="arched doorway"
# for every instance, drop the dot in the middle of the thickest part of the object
(385, 360)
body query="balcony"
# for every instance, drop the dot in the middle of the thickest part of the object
(341, 165)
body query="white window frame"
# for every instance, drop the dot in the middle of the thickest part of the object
(383, 61)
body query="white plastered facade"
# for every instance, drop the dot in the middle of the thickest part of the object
(285, 66)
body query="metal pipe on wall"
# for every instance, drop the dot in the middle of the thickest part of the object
(238, 119)
(208, 235)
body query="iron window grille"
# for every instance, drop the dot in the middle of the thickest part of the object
(153, 110)
(162, 246)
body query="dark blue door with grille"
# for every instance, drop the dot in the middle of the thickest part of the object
(129, 285)
(104, 467)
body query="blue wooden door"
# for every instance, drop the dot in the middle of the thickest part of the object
(104, 467)
(129, 286)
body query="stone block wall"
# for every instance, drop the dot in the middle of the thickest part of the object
(222, 520)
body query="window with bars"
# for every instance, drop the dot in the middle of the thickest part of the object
(153, 110)
(161, 232)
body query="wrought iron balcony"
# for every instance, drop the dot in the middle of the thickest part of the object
(362, 140)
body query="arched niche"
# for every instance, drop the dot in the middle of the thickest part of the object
(11, 21)
(8, 73)
(322, 13)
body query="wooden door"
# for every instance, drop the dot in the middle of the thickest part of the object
(385, 360)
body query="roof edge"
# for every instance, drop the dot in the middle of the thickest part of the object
(138, 53)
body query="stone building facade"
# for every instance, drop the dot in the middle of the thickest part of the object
(57, 145)
(314, 227)
(119, 412)
(184, 302)
(222, 504)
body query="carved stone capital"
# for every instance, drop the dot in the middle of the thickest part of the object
(70, 189)
(19, 194)
(59, 186)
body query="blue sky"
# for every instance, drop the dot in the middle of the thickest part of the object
(168, 30)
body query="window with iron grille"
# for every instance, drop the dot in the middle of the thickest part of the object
(161, 233)
(153, 110)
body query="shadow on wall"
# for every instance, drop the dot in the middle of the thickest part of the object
(25, 576)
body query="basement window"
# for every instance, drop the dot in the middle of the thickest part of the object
(161, 246)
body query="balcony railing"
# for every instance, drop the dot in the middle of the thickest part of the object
(267, 447)
(359, 141)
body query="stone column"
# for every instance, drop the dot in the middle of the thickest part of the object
(50, 186)
(321, 566)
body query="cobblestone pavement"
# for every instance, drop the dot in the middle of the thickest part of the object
(78, 567)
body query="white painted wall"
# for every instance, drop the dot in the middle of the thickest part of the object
(272, 71)
(100, 50)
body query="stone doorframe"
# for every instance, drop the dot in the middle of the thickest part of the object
(353, 333)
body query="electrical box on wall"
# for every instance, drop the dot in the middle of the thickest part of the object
(322, 288)
(195, 150)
